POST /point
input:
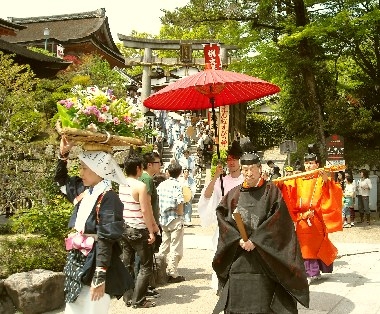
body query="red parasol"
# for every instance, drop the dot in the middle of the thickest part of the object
(209, 89)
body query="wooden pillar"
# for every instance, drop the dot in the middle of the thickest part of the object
(224, 57)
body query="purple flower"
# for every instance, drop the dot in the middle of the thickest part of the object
(67, 103)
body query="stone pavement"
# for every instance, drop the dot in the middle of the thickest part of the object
(353, 287)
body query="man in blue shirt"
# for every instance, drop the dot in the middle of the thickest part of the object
(170, 197)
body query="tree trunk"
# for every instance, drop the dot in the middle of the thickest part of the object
(306, 54)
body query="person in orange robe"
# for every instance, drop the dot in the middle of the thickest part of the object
(315, 205)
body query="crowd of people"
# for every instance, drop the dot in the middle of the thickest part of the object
(122, 232)
(272, 231)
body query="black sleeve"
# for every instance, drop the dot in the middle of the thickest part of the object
(73, 185)
(61, 174)
(110, 227)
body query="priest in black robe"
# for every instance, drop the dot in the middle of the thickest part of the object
(265, 272)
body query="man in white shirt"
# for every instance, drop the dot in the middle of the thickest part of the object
(187, 162)
(212, 194)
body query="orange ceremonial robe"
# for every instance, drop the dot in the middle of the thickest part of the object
(316, 209)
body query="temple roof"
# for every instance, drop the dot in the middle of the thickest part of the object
(42, 65)
(8, 28)
(71, 31)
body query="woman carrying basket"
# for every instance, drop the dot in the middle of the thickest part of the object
(94, 271)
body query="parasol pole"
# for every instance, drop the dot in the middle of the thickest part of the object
(212, 100)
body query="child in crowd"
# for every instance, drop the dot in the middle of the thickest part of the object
(348, 201)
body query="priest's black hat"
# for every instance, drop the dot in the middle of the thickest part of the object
(312, 154)
(235, 150)
(250, 156)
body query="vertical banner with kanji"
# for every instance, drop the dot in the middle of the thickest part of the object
(335, 151)
(224, 114)
(212, 56)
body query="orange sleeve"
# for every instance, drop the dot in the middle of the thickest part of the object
(289, 193)
(331, 206)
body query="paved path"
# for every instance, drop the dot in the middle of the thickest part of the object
(353, 287)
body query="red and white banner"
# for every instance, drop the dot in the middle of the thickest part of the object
(335, 151)
(224, 117)
(212, 56)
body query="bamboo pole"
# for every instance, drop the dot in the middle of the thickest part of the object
(312, 173)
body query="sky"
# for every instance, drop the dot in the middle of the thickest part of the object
(123, 16)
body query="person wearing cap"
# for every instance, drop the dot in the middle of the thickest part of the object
(133, 99)
(315, 205)
(94, 271)
(187, 162)
(258, 260)
(212, 193)
(189, 189)
(288, 170)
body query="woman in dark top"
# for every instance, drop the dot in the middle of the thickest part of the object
(93, 271)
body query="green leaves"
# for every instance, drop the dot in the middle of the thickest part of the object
(65, 117)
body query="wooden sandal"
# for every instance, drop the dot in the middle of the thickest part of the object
(146, 304)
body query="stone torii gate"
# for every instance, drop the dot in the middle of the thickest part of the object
(184, 46)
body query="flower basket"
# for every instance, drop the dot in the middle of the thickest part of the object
(98, 120)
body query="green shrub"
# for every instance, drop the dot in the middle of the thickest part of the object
(26, 124)
(6, 228)
(22, 254)
(46, 220)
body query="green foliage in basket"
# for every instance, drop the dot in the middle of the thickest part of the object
(98, 110)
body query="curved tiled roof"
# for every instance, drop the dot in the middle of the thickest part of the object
(69, 29)
(8, 24)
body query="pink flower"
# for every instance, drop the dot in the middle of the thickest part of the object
(104, 108)
(101, 118)
(92, 110)
(116, 120)
(127, 119)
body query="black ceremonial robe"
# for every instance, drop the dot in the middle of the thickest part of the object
(271, 278)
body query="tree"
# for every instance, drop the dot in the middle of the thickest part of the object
(268, 21)
(19, 120)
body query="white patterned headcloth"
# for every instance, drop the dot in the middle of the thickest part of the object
(104, 165)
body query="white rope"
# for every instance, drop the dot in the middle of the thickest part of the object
(108, 138)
